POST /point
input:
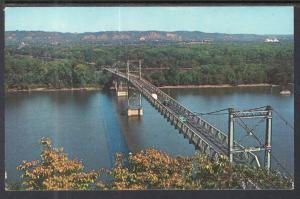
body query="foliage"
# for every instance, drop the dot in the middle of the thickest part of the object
(55, 171)
(151, 169)
(82, 74)
(74, 65)
(146, 169)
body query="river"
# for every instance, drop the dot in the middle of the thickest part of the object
(92, 125)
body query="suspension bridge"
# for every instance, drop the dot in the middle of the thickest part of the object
(202, 134)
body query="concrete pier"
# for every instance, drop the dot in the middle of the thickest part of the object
(135, 111)
(121, 90)
(122, 93)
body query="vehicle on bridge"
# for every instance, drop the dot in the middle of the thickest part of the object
(182, 119)
(154, 96)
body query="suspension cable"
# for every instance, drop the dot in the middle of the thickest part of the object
(284, 120)
(240, 140)
(276, 160)
(210, 113)
(254, 109)
(282, 167)
(250, 131)
(202, 114)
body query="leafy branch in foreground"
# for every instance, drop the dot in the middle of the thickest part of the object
(146, 169)
(55, 171)
(151, 169)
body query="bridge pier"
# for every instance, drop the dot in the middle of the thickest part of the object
(120, 89)
(135, 111)
(134, 103)
(121, 93)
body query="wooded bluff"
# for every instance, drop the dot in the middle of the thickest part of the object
(79, 65)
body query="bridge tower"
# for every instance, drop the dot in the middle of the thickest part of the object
(134, 99)
(235, 117)
(120, 86)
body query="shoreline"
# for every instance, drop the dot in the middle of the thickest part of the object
(220, 86)
(42, 89)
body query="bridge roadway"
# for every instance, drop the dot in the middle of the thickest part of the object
(204, 136)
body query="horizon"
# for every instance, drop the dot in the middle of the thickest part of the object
(259, 20)
(145, 31)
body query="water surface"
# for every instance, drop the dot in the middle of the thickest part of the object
(92, 125)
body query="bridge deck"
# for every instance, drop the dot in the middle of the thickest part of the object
(201, 133)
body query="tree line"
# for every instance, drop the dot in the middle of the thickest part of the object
(76, 65)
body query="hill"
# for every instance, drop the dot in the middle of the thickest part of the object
(134, 37)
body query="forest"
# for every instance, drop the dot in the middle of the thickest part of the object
(78, 65)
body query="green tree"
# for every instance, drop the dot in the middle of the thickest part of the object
(218, 63)
(82, 74)
(157, 78)
(59, 74)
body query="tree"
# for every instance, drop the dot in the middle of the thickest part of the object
(157, 78)
(152, 169)
(219, 63)
(146, 169)
(172, 76)
(55, 171)
(82, 74)
(59, 74)
(185, 78)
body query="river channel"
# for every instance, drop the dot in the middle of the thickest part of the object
(92, 125)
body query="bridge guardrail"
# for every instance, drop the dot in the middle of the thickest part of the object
(212, 152)
(218, 131)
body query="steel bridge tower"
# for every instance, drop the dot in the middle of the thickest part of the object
(250, 114)
(134, 99)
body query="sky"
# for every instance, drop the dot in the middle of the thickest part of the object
(232, 20)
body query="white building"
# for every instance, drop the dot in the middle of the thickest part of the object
(270, 40)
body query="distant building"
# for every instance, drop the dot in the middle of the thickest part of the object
(204, 41)
(270, 40)
(22, 45)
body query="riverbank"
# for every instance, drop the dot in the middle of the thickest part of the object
(42, 89)
(218, 86)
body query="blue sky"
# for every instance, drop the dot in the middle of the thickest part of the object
(251, 20)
